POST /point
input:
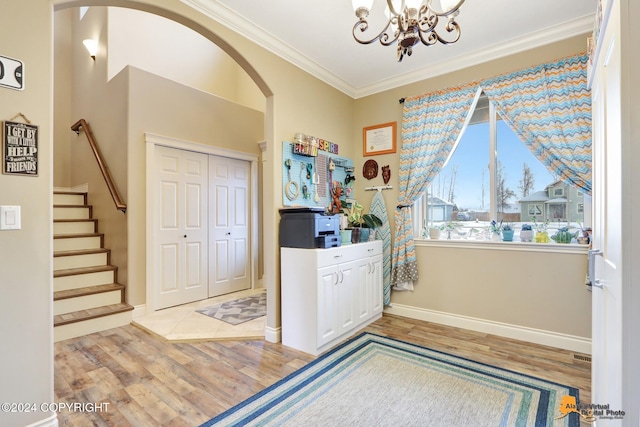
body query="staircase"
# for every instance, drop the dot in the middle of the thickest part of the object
(86, 297)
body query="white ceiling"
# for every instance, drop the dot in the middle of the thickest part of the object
(316, 35)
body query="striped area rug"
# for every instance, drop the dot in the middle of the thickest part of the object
(374, 381)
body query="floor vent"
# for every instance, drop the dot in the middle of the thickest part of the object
(582, 358)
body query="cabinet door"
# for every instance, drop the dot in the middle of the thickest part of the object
(361, 298)
(327, 322)
(346, 291)
(374, 285)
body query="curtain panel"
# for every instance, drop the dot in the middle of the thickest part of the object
(549, 108)
(430, 126)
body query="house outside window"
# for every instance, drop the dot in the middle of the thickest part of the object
(492, 175)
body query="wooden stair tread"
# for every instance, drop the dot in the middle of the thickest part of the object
(93, 313)
(76, 193)
(88, 290)
(81, 252)
(72, 206)
(76, 220)
(83, 270)
(73, 235)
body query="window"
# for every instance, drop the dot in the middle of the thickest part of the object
(581, 208)
(492, 175)
(535, 209)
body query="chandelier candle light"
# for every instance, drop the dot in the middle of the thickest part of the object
(409, 22)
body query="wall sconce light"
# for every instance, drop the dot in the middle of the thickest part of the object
(92, 47)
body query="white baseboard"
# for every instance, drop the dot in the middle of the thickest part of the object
(272, 334)
(139, 310)
(50, 421)
(538, 336)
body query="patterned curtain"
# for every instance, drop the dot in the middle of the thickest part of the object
(549, 107)
(430, 126)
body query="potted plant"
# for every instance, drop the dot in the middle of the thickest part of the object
(360, 223)
(495, 229)
(526, 233)
(371, 222)
(564, 235)
(434, 233)
(541, 231)
(507, 233)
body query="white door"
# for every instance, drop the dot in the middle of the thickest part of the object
(607, 239)
(229, 201)
(327, 319)
(181, 245)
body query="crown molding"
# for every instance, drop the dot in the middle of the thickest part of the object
(576, 27)
(235, 22)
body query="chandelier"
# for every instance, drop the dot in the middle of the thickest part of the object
(409, 22)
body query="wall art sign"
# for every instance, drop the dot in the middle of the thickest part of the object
(11, 73)
(20, 149)
(379, 139)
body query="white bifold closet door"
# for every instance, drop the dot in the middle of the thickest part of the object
(229, 243)
(182, 239)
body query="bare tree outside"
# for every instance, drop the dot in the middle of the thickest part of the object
(527, 182)
(504, 193)
(452, 184)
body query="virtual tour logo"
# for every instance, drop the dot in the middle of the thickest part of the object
(588, 412)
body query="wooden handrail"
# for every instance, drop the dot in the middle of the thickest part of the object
(120, 205)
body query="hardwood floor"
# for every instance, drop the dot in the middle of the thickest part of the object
(150, 382)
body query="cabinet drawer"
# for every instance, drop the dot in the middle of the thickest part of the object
(348, 253)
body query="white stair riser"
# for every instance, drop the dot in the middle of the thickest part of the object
(71, 213)
(86, 302)
(79, 261)
(68, 199)
(74, 227)
(76, 243)
(82, 280)
(86, 327)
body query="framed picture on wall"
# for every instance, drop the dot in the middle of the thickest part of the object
(379, 139)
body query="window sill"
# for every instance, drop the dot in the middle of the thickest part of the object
(552, 247)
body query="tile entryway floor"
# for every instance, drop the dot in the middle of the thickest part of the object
(183, 323)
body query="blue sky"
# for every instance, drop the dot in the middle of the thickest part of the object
(472, 157)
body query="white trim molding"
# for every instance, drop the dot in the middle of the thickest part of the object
(273, 334)
(139, 311)
(537, 336)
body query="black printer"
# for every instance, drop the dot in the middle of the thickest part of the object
(309, 227)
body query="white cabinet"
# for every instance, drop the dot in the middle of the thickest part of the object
(327, 294)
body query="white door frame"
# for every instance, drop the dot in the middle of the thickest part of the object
(153, 140)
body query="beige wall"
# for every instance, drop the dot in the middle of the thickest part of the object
(26, 273)
(523, 288)
(63, 72)
(171, 50)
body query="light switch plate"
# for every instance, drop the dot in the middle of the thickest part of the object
(9, 217)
